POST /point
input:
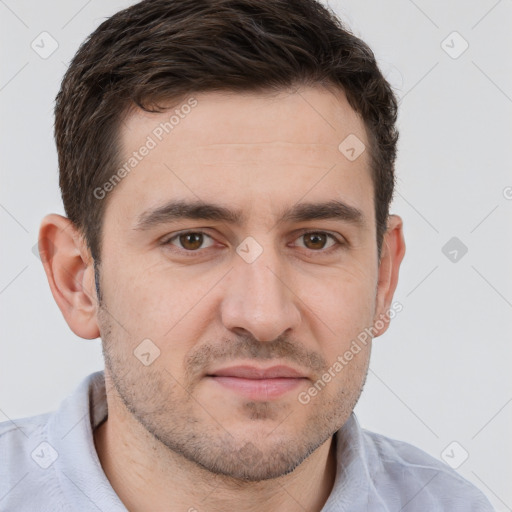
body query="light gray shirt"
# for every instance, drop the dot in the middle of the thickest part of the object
(48, 463)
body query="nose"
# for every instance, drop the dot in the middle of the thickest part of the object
(260, 299)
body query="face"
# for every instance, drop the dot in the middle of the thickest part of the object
(216, 321)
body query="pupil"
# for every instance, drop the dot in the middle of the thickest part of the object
(317, 236)
(190, 243)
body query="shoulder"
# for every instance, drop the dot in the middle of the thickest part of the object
(419, 476)
(18, 436)
(26, 470)
(46, 460)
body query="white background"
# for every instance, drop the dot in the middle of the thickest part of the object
(442, 371)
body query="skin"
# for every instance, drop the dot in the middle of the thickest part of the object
(176, 439)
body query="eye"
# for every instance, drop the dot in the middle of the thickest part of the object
(316, 240)
(189, 241)
(193, 241)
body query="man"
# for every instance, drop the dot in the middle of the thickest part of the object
(226, 169)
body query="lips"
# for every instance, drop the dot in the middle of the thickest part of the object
(252, 372)
(261, 384)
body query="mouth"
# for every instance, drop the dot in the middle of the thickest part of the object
(260, 384)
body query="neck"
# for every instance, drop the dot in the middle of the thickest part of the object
(146, 475)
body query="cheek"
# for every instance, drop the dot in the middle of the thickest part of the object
(160, 304)
(340, 304)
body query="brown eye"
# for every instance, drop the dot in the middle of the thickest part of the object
(317, 240)
(189, 240)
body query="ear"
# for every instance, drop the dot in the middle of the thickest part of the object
(70, 272)
(392, 254)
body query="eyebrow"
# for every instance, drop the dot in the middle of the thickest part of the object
(200, 210)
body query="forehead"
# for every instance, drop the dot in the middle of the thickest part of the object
(254, 151)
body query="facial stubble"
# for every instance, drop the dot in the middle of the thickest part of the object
(170, 413)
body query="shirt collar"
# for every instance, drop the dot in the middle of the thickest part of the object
(70, 432)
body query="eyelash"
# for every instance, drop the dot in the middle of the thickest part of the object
(339, 244)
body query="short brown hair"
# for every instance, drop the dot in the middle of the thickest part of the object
(159, 50)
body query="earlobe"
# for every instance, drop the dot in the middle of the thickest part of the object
(393, 251)
(70, 272)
